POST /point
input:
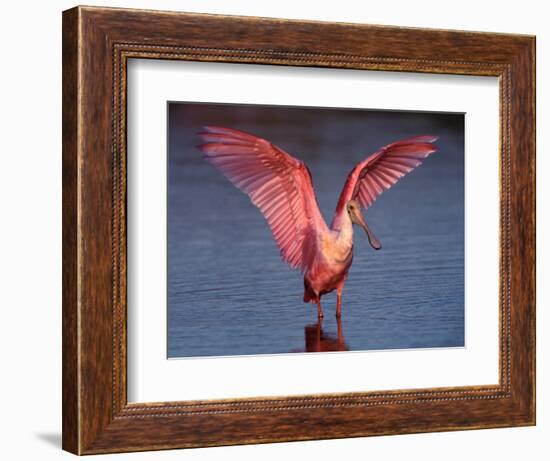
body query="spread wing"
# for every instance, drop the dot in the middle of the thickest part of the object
(381, 170)
(277, 183)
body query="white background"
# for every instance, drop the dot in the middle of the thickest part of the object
(153, 378)
(30, 247)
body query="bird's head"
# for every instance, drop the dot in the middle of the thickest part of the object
(354, 211)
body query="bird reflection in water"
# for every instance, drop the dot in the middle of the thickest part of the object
(317, 340)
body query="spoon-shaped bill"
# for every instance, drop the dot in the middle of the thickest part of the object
(360, 220)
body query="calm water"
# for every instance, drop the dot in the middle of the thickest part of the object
(229, 293)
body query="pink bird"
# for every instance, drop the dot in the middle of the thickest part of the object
(281, 187)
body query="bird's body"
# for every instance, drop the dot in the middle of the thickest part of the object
(281, 187)
(330, 261)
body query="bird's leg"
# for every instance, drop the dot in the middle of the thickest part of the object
(339, 302)
(341, 342)
(320, 314)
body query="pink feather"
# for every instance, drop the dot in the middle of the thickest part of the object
(277, 183)
(382, 170)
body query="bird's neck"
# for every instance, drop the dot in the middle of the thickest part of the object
(340, 219)
(345, 232)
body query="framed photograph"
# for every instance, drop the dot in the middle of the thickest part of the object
(280, 230)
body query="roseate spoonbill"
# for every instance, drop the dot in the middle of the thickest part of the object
(281, 187)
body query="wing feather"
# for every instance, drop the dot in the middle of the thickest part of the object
(277, 183)
(382, 170)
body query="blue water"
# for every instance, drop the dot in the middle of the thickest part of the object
(229, 293)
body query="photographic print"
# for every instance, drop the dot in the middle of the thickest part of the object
(272, 238)
(309, 229)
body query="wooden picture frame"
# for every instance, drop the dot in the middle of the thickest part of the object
(97, 43)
